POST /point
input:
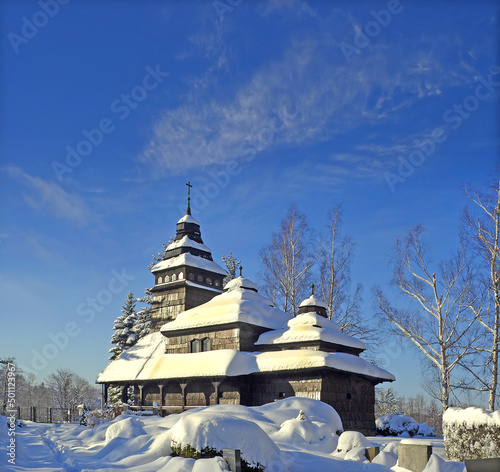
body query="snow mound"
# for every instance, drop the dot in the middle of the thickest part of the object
(438, 464)
(128, 428)
(402, 426)
(385, 458)
(312, 301)
(350, 440)
(306, 434)
(211, 431)
(352, 446)
(290, 408)
(241, 282)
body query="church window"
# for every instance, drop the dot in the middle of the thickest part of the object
(191, 276)
(206, 344)
(281, 395)
(174, 277)
(181, 275)
(349, 396)
(167, 278)
(217, 283)
(199, 278)
(160, 280)
(195, 345)
(209, 281)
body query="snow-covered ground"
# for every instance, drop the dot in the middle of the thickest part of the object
(292, 435)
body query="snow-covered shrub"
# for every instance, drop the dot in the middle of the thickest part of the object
(207, 433)
(402, 426)
(99, 416)
(471, 433)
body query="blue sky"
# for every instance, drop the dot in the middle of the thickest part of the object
(108, 108)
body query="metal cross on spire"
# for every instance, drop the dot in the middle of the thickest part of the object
(188, 211)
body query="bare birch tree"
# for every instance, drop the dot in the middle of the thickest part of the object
(287, 262)
(485, 232)
(335, 256)
(441, 325)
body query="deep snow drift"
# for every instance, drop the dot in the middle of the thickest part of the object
(291, 435)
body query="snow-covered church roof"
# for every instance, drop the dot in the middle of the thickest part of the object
(189, 260)
(240, 302)
(147, 360)
(309, 327)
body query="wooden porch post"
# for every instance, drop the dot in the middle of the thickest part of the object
(183, 388)
(141, 398)
(160, 386)
(104, 395)
(216, 387)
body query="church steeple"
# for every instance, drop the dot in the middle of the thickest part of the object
(188, 209)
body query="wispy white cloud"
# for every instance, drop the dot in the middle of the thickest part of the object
(49, 196)
(307, 96)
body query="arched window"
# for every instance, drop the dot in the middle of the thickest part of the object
(160, 280)
(209, 281)
(174, 277)
(199, 278)
(181, 275)
(195, 345)
(217, 283)
(191, 276)
(167, 278)
(206, 344)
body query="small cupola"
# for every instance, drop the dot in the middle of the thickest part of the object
(241, 282)
(313, 305)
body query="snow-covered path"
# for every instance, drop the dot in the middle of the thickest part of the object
(32, 451)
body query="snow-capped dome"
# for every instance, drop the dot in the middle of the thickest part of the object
(310, 327)
(238, 304)
(188, 219)
(312, 301)
(241, 282)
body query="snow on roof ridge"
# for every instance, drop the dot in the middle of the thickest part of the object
(189, 260)
(147, 360)
(309, 327)
(185, 241)
(236, 305)
(188, 219)
(312, 301)
(241, 282)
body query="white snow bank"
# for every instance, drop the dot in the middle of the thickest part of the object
(128, 428)
(214, 430)
(438, 464)
(310, 327)
(472, 416)
(235, 305)
(189, 260)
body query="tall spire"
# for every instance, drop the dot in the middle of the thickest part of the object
(188, 210)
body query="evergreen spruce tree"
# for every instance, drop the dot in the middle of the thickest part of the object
(143, 316)
(232, 265)
(124, 335)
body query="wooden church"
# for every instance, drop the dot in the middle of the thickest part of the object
(212, 344)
